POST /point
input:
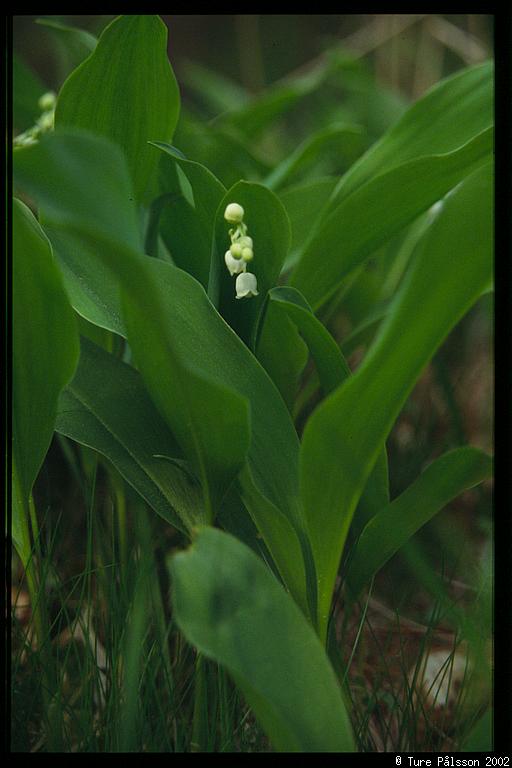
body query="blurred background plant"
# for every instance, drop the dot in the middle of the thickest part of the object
(287, 100)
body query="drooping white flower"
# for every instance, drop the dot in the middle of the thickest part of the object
(247, 254)
(234, 213)
(246, 285)
(235, 266)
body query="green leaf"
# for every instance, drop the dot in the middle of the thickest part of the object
(281, 351)
(345, 433)
(50, 170)
(220, 149)
(64, 172)
(448, 116)
(346, 139)
(178, 324)
(92, 291)
(287, 546)
(332, 369)
(126, 90)
(331, 366)
(187, 222)
(106, 407)
(45, 353)
(208, 417)
(232, 609)
(269, 227)
(376, 211)
(310, 196)
(394, 525)
(203, 380)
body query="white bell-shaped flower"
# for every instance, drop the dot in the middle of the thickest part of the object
(246, 285)
(235, 266)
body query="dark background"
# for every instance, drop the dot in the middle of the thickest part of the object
(408, 52)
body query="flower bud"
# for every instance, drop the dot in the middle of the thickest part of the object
(235, 266)
(47, 101)
(247, 254)
(234, 213)
(245, 241)
(236, 250)
(246, 285)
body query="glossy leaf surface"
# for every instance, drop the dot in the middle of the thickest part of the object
(106, 407)
(173, 325)
(45, 353)
(233, 610)
(188, 219)
(64, 175)
(445, 118)
(343, 436)
(379, 209)
(125, 90)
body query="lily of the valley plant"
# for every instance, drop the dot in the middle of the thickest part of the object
(210, 299)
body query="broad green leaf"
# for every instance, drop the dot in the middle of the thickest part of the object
(181, 327)
(64, 172)
(203, 378)
(394, 525)
(90, 286)
(106, 407)
(364, 332)
(331, 366)
(233, 610)
(310, 196)
(376, 211)
(269, 227)
(221, 149)
(126, 90)
(288, 547)
(45, 353)
(187, 221)
(448, 116)
(332, 369)
(281, 351)
(367, 300)
(195, 402)
(346, 139)
(345, 433)
(208, 417)
(49, 170)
